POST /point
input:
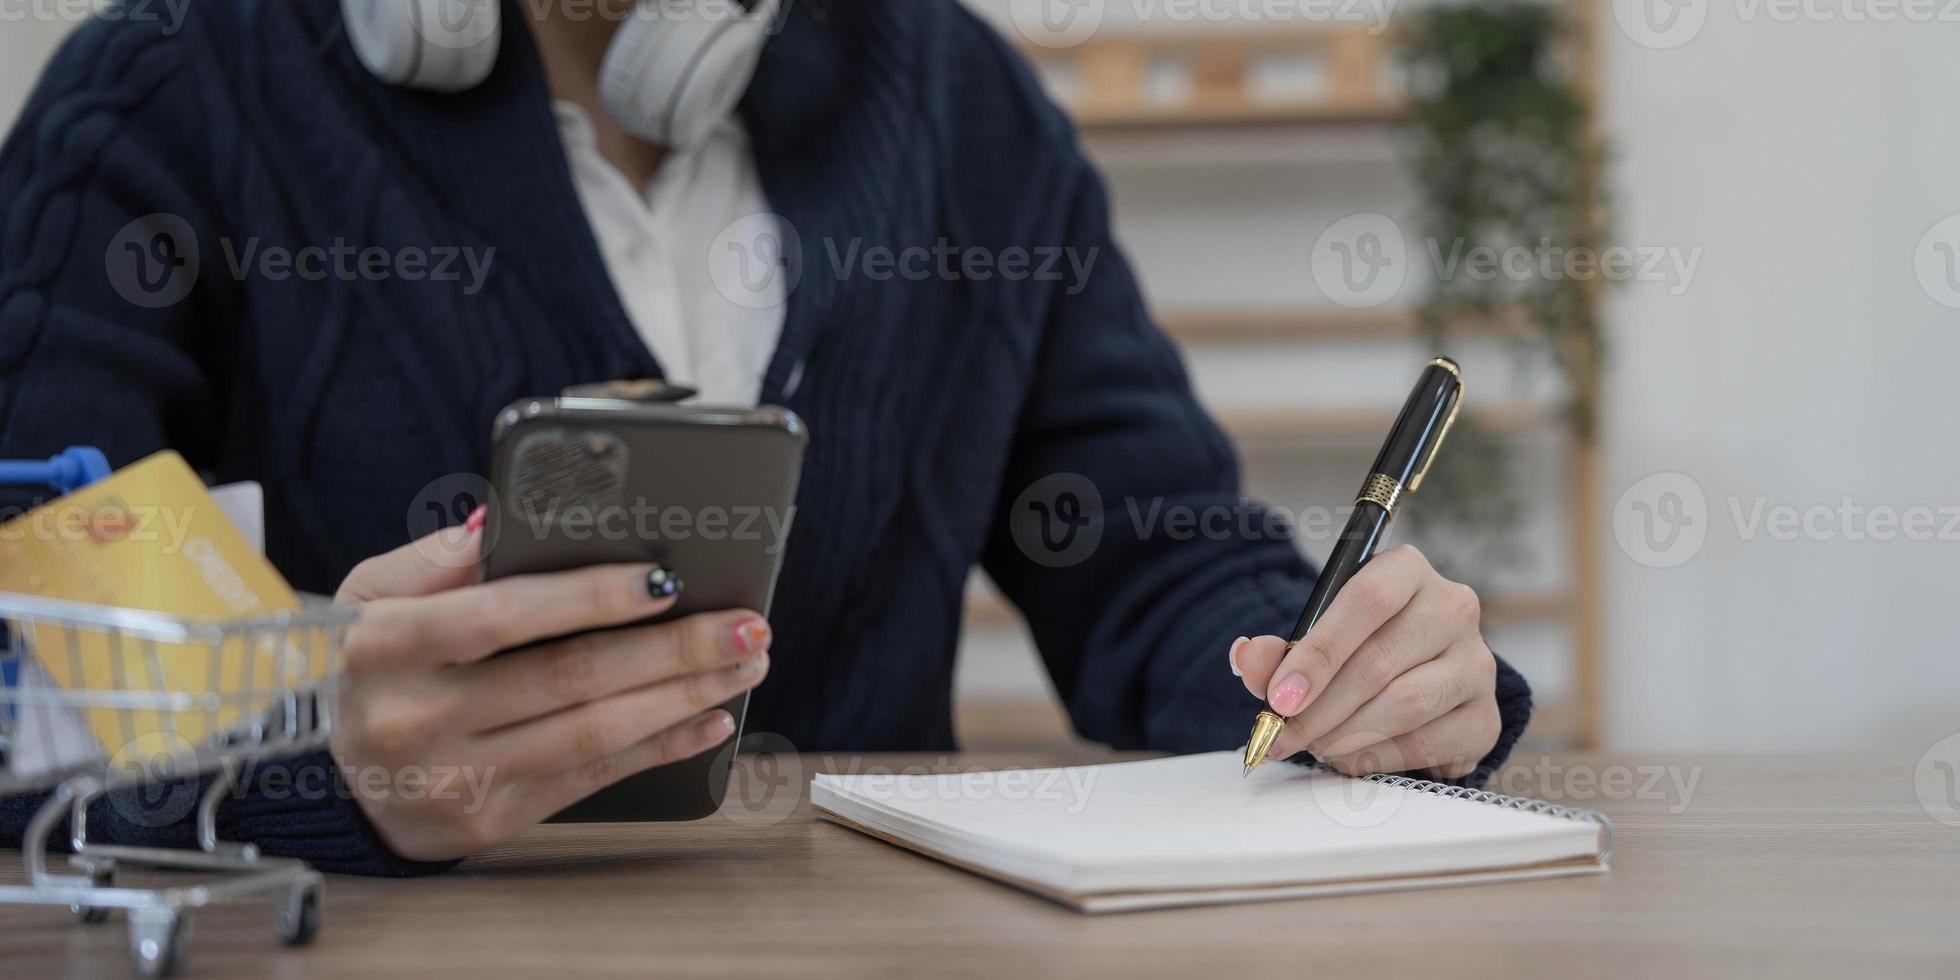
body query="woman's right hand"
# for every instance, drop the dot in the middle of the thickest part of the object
(519, 737)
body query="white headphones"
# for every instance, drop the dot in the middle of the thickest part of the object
(675, 69)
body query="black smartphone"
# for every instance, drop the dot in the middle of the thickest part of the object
(707, 492)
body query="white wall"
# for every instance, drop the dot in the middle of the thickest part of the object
(1804, 365)
(25, 45)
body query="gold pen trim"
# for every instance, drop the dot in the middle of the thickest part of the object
(1382, 490)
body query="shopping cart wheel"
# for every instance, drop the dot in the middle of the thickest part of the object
(158, 939)
(102, 876)
(298, 910)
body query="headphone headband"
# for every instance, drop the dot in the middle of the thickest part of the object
(675, 68)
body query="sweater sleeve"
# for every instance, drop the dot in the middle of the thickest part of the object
(106, 297)
(1124, 538)
(116, 317)
(298, 807)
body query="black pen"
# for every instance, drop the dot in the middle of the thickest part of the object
(1404, 460)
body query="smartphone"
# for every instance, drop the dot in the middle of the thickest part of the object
(707, 492)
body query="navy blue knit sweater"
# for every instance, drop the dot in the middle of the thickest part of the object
(934, 402)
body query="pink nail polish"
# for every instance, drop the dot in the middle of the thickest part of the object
(752, 636)
(1232, 655)
(1290, 696)
(477, 518)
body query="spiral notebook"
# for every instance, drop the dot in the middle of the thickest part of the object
(1190, 830)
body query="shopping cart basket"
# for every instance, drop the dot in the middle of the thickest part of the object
(270, 693)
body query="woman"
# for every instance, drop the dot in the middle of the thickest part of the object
(188, 157)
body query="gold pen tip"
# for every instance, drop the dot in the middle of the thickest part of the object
(1265, 730)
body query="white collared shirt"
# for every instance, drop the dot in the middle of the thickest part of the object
(679, 255)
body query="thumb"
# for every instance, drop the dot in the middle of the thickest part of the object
(448, 559)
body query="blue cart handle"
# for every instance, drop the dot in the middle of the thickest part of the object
(75, 468)
(72, 470)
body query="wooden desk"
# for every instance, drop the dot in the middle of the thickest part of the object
(1775, 866)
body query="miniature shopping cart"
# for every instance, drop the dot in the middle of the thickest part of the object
(269, 686)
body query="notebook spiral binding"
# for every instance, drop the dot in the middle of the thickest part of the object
(1488, 798)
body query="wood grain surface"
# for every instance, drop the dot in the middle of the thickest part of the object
(1767, 866)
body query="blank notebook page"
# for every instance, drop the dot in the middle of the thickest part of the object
(1193, 822)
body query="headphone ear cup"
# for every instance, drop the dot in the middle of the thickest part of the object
(439, 45)
(674, 70)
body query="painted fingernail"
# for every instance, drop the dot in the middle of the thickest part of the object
(1290, 695)
(719, 725)
(477, 517)
(752, 636)
(1232, 655)
(663, 584)
(749, 670)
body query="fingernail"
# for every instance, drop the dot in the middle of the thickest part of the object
(1232, 655)
(749, 670)
(663, 584)
(752, 636)
(477, 517)
(1290, 695)
(719, 725)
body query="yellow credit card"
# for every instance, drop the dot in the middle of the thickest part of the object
(150, 537)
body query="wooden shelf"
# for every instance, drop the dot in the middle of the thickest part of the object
(1147, 118)
(1154, 82)
(987, 609)
(1559, 724)
(1252, 326)
(1255, 426)
(1527, 607)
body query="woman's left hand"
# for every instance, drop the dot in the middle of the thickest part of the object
(1394, 677)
